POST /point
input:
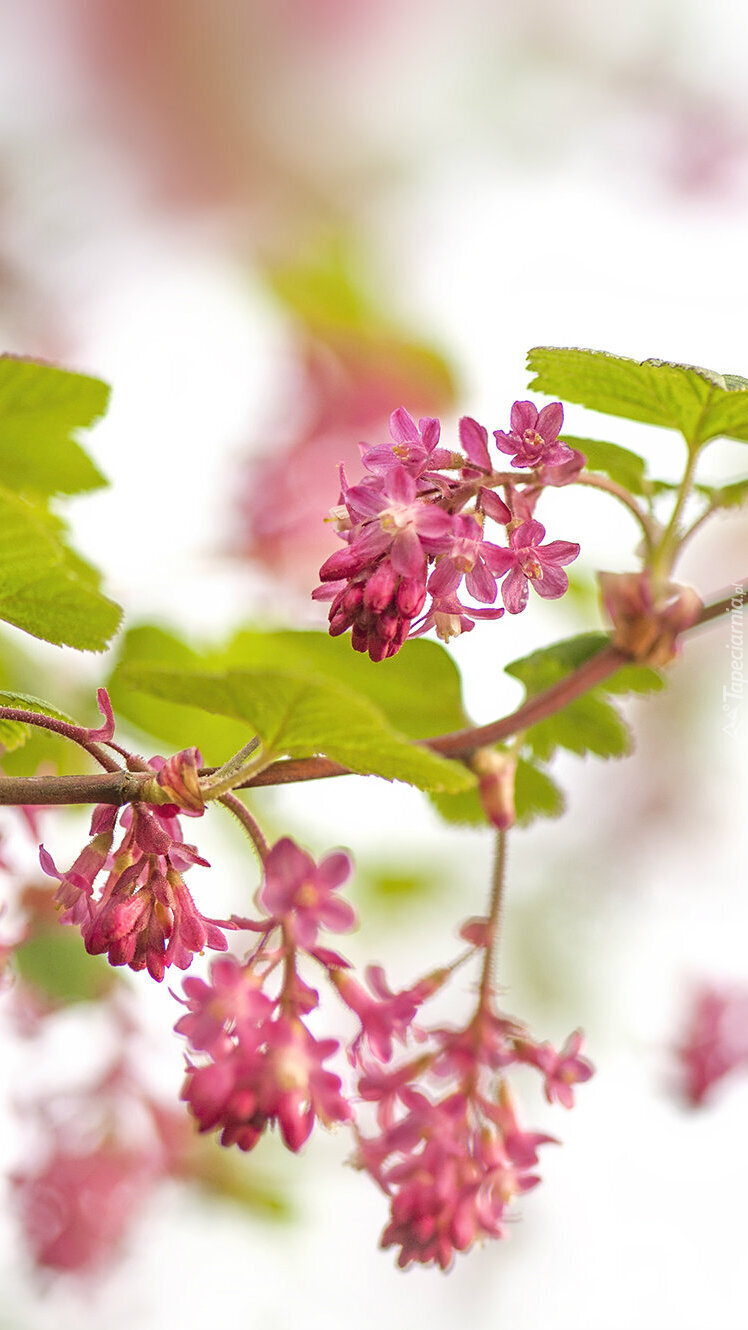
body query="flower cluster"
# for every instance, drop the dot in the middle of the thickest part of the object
(102, 1150)
(260, 1064)
(145, 916)
(715, 1042)
(410, 534)
(450, 1151)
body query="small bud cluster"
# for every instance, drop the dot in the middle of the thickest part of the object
(409, 532)
(145, 916)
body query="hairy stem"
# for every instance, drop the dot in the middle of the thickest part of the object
(498, 883)
(243, 815)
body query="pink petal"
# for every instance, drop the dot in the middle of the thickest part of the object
(430, 432)
(515, 591)
(523, 416)
(445, 578)
(558, 551)
(552, 584)
(474, 439)
(499, 560)
(403, 427)
(337, 916)
(481, 584)
(400, 485)
(550, 420)
(335, 869)
(407, 554)
(493, 506)
(528, 533)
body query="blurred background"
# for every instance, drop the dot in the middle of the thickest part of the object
(267, 225)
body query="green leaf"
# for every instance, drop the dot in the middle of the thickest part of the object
(542, 668)
(700, 403)
(535, 794)
(589, 724)
(40, 408)
(298, 716)
(45, 587)
(56, 963)
(168, 721)
(14, 733)
(462, 810)
(396, 687)
(418, 690)
(732, 495)
(625, 467)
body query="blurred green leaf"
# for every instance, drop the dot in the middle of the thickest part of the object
(299, 716)
(589, 724)
(40, 408)
(462, 810)
(732, 495)
(57, 964)
(621, 464)
(700, 403)
(46, 589)
(536, 794)
(418, 690)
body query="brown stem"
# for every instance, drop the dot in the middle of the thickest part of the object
(122, 787)
(494, 917)
(65, 730)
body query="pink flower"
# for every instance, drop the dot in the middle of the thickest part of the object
(562, 1070)
(77, 1209)
(298, 893)
(414, 447)
(527, 561)
(534, 436)
(716, 1040)
(278, 1076)
(468, 556)
(385, 1017)
(231, 1004)
(450, 618)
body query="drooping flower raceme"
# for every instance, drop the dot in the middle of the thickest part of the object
(450, 1152)
(260, 1064)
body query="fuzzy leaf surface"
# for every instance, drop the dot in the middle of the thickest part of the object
(701, 403)
(299, 716)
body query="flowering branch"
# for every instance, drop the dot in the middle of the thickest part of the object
(120, 787)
